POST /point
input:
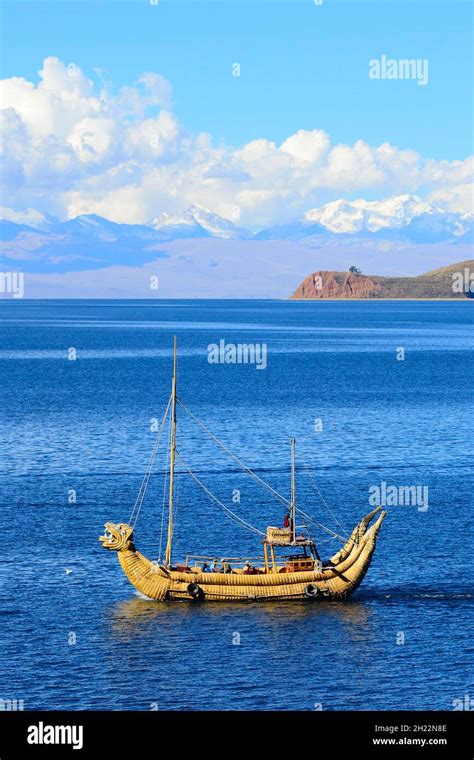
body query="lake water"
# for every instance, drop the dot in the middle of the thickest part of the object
(75, 635)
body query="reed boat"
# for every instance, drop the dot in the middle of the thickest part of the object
(288, 568)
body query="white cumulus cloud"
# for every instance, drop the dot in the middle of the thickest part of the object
(70, 147)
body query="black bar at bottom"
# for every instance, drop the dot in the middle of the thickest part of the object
(120, 734)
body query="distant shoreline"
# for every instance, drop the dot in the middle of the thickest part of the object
(247, 300)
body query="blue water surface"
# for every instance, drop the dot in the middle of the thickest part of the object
(74, 633)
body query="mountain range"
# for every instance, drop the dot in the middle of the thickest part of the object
(402, 217)
(399, 235)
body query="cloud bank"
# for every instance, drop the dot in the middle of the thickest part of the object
(69, 147)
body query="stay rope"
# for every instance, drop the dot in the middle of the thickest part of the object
(231, 454)
(257, 477)
(242, 523)
(323, 501)
(217, 501)
(144, 484)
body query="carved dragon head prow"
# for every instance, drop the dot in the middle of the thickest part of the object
(117, 536)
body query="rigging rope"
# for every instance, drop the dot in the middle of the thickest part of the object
(320, 525)
(144, 484)
(219, 443)
(232, 515)
(316, 488)
(256, 477)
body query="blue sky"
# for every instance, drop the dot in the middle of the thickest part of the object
(303, 66)
(302, 125)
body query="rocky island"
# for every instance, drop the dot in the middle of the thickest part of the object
(452, 282)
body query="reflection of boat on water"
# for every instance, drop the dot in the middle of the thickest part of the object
(289, 569)
(137, 617)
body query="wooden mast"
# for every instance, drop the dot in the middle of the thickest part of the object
(292, 499)
(172, 460)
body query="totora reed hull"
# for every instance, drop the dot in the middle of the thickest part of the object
(337, 579)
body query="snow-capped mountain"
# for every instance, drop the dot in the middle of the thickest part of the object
(86, 242)
(93, 227)
(353, 216)
(401, 218)
(392, 213)
(194, 222)
(198, 221)
(30, 218)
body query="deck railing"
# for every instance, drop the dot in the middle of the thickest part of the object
(232, 561)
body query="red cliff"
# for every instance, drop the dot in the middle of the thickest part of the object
(336, 285)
